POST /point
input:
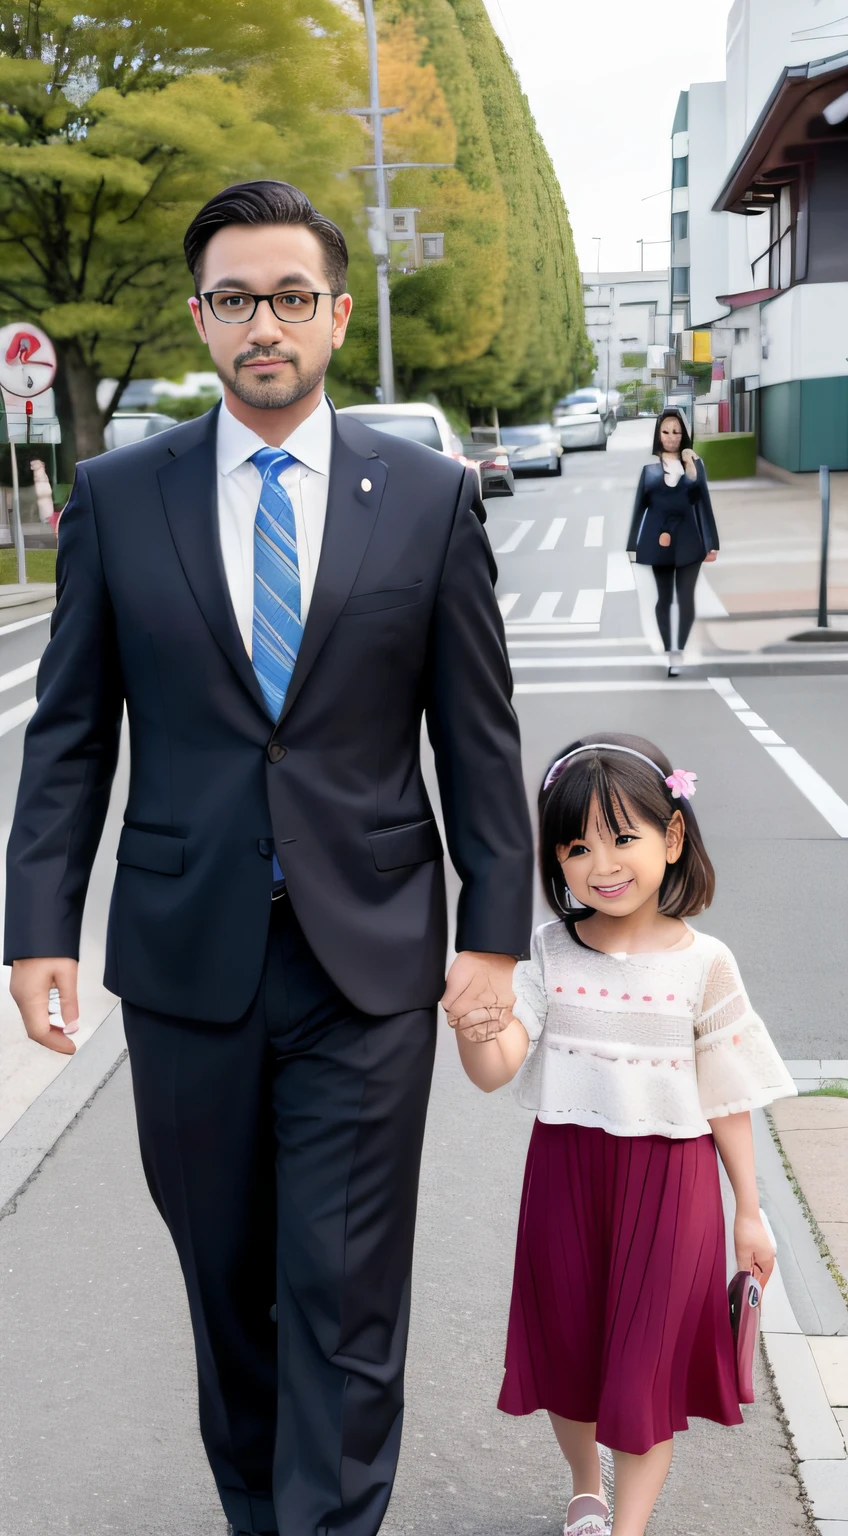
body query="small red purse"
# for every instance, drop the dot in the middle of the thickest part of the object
(744, 1295)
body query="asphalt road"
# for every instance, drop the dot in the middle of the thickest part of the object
(95, 1359)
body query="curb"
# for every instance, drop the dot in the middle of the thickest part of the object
(35, 1135)
(803, 1287)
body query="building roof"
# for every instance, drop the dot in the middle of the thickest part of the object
(789, 130)
(594, 279)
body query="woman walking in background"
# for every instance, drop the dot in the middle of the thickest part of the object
(673, 528)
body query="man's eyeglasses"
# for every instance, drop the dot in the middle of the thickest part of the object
(235, 308)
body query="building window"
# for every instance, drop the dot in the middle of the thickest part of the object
(741, 334)
(680, 226)
(776, 267)
(680, 171)
(679, 320)
(679, 282)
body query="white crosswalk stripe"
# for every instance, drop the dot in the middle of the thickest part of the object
(511, 544)
(620, 572)
(553, 534)
(507, 602)
(588, 606)
(545, 607)
(20, 675)
(594, 533)
(11, 718)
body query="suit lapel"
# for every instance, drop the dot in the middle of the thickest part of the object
(357, 482)
(189, 487)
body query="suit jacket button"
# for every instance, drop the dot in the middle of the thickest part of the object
(276, 753)
(266, 847)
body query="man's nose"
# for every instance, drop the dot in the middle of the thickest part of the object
(266, 329)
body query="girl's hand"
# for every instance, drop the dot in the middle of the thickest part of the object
(709, 558)
(753, 1246)
(688, 456)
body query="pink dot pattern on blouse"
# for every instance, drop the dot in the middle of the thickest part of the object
(625, 996)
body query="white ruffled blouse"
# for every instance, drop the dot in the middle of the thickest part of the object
(641, 1045)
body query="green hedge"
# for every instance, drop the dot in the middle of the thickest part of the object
(729, 456)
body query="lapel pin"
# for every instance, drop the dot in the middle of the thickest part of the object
(365, 484)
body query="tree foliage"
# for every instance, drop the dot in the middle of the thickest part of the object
(500, 321)
(116, 125)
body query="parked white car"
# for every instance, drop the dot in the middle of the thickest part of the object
(584, 419)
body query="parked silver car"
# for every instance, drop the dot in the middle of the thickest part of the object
(533, 450)
(584, 419)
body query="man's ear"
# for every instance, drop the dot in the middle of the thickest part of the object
(197, 316)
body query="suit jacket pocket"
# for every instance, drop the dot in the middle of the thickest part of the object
(159, 852)
(415, 843)
(372, 602)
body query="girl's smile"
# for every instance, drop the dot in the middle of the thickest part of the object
(610, 891)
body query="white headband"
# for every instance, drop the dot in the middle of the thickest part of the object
(681, 783)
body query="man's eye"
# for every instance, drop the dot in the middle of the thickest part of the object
(234, 300)
(292, 300)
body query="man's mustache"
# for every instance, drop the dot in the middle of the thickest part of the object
(266, 353)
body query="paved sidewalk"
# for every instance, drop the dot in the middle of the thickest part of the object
(811, 1367)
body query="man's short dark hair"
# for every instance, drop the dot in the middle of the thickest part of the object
(265, 202)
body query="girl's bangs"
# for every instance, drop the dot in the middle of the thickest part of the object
(580, 784)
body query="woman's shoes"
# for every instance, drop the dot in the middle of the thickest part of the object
(674, 661)
(587, 1515)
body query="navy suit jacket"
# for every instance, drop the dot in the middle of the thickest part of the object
(403, 623)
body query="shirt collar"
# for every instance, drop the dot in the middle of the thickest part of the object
(310, 443)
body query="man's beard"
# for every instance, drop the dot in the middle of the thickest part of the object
(271, 392)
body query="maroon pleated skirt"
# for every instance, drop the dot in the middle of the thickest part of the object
(619, 1311)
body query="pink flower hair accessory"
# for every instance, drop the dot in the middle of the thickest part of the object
(682, 784)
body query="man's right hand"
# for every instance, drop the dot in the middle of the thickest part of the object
(30, 987)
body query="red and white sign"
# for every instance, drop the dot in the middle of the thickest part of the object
(27, 360)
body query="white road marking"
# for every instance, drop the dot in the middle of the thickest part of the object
(811, 784)
(545, 607)
(553, 534)
(588, 606)
(508, 602)
(594, 533)
(9, 629)
(708, 604)
(620, 576)
(511, 544)
(803, 775)
(559, 627)
(22, 674)
(620, 686)
(590, 661)
(556, 645)
(16, 716)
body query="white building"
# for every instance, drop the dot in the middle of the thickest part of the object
(627, 324)
(761, 164)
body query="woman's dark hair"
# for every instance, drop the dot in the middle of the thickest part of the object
(686, 435)
(265, 202)
(623, 785)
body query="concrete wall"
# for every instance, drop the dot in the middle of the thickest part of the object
(634, 294)
(708, 231)
(805, 331)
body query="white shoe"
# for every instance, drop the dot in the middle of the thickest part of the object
(587, 1515)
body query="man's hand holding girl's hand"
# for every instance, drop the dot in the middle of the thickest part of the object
(479, 995)
(753, 1246)
(31, 985)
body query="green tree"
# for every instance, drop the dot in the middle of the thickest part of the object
(116, 126)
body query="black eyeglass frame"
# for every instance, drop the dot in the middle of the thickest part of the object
(267, 298)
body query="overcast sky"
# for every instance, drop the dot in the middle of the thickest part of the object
(603, 78)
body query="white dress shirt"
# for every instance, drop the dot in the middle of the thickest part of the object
(239, 484)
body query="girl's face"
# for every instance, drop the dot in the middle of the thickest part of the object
(671, 435)
(619, 873)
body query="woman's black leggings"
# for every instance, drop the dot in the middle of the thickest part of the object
(687, 575)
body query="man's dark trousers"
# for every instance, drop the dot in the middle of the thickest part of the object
(283, 1155)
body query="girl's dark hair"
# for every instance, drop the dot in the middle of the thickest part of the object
(623, 785)
(686, 437)
(265, 202)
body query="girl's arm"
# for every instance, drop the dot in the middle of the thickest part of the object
(638, 511)
(734, 1138)
(492, 1063)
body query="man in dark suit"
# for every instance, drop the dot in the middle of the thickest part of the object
(277, 620)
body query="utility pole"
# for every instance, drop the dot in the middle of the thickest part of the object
(597, 240)
(384, 313)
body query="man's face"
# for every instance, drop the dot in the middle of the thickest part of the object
(269, 362)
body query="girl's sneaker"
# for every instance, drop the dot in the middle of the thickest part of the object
(587, 1515)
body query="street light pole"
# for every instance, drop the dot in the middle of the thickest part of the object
(384, 313)
(597, 239)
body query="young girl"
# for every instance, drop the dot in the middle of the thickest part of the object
(634, 1041)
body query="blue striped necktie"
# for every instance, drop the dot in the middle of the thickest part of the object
(277, 624)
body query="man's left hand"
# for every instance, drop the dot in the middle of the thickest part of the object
(479, 994)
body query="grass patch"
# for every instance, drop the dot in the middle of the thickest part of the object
(40, 565)
(838, 1089)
